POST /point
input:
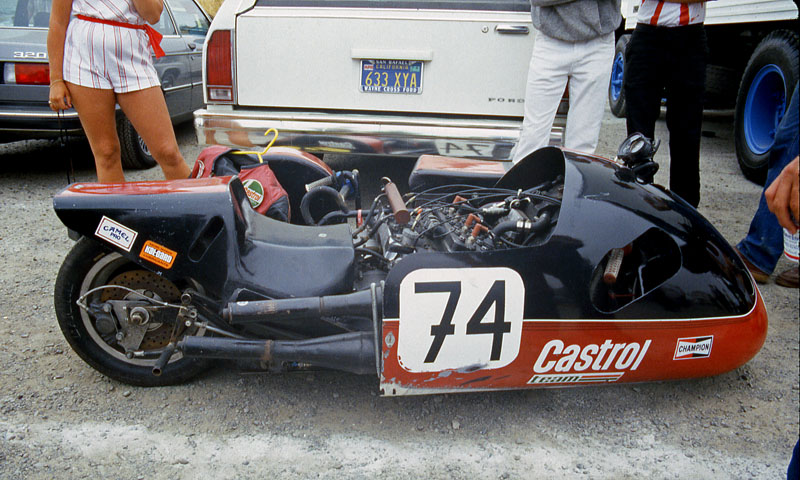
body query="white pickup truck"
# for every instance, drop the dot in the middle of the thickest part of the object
(382, 77)
(752, 68)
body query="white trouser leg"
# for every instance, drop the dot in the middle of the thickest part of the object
(588, 90)
(547, 78)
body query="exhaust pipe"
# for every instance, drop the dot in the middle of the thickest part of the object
(357, 304)
(348, 352)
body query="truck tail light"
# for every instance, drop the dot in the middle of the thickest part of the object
(26, 73)
(219, 68)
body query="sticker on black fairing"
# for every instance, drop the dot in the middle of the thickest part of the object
(452, 318)
(254, 191)
(116, 233)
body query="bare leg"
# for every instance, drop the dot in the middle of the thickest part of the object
(95, 109)
(147, 111)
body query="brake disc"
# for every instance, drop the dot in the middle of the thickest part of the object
(153, 286)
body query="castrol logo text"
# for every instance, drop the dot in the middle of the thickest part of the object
(606, 362)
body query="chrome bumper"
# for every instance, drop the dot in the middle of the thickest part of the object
(364, 133)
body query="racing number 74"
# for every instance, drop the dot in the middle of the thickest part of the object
(495, 296)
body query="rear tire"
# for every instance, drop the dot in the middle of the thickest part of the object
(135, 154)
(88, 265)
(616, 90)
(766, 87)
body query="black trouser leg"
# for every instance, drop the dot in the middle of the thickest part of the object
(644, 81)
(685, 113)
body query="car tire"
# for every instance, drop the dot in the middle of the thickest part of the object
(134, 152)
(616, 92)
(766, 87)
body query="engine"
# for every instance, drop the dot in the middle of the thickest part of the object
(455, 218)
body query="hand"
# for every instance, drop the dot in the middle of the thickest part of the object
(783, 196)
(60, 99)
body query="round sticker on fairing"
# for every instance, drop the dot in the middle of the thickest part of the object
(254, 191)
(460, 318)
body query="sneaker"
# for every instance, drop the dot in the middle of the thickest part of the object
(790, 278)
(758, 275)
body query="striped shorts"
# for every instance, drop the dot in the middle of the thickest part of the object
(108, 57)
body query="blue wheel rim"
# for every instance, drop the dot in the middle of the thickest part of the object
(764, 108)
(617, 70)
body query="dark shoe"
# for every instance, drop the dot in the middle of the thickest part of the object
(790, 278)
(758, 275)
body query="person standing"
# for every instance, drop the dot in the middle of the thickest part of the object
(763, 246)
(666, 57)
(100, 56)
(573, 46)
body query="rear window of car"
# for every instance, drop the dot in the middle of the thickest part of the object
(25, 13)
(497, 5)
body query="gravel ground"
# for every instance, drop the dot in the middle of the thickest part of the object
(61, 419)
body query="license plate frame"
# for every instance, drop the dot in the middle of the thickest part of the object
(403, 77)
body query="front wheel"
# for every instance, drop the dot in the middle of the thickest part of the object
(616, 91)
(108, 338)
(765, 89)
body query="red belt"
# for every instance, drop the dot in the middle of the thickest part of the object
(155, 37)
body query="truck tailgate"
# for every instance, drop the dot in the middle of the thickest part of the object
(473, 62)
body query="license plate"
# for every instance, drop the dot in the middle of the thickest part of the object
(391, 76)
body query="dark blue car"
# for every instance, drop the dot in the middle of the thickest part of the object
(24, 112)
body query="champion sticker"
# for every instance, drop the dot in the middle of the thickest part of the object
(254, 191)
(158, 254)
(693, 347)
(116, 233)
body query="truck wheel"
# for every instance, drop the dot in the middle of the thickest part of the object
(767, 84)
(135, 154)
(616, 94)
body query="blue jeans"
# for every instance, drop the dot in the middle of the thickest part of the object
(763, 244)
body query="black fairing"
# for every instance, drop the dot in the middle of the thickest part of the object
(220, 241)
(692, 273)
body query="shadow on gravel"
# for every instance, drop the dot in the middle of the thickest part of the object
(45, 157)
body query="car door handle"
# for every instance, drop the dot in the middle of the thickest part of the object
(512, 29)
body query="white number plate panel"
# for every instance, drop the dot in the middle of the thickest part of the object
(460, 318)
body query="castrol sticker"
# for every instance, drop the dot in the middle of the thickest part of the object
(158, 254)
(460, 319)
(116, 233)
(608, 361)
(693, 347)
(254, 191)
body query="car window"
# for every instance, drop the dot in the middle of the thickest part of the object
(24, 13)
(188, 17)
(499, 5)
(164, 25)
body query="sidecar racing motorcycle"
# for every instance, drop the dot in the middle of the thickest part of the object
(567, 269)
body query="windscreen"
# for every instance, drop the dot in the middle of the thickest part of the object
(25, 13)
